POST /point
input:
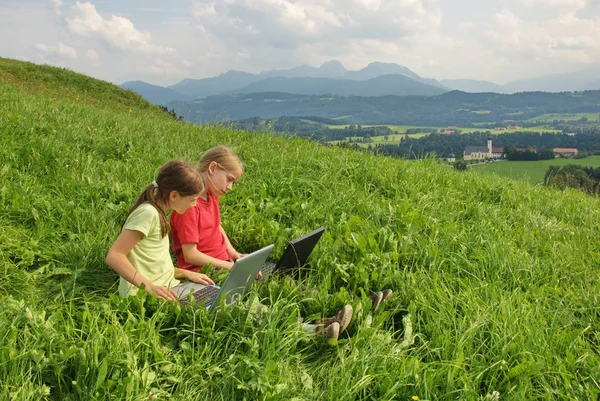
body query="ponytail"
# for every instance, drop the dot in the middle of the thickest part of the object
(175, 175)
(148, 196)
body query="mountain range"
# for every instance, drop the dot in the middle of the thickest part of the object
(332, 78)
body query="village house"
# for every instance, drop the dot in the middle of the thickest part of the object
(497, 153)
(565, 152)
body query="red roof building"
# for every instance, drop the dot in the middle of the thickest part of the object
(565, 151)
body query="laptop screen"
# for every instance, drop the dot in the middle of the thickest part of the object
(298, 251)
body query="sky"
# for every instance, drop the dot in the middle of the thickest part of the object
(163, 42)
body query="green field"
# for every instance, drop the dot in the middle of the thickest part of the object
(393, 139)
(532, 171)
(567, 117)
(496, 284)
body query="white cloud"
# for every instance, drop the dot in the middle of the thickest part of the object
(369, 4)
(563, 4)
(92, 55)
(507, 18)
(118, 32)
(291, 24)
(59, 50)
(164, 69)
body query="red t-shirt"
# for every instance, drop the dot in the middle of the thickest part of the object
(200, 225)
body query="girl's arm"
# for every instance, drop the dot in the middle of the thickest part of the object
(117, 260)
(233, 254)
(193, 256)
(193, 276)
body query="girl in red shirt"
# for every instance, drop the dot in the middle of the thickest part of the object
(198, 237)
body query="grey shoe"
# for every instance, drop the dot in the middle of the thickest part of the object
(376, 300)
(331, 331)
(344, 317)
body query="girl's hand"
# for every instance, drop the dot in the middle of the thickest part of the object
(235, 255)
(199, 278)
(162, 292)
(259, 275)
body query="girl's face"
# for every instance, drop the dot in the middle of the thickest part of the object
(221, 180)
(181, 203)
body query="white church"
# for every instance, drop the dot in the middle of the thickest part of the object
(482, 152)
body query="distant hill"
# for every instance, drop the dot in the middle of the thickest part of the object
(305, 80)
(586, 79)
(398, 85)
(451, 108)
(582, 80)
(153, 93)
(300, 82)
(472, 85)
(330, 69)
(199, 88)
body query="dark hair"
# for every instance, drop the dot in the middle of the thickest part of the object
(174, 175)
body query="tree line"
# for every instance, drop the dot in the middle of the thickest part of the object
(447, 145)
(574, 176)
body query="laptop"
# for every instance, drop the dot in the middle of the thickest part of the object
(238, 281)
(295, 255)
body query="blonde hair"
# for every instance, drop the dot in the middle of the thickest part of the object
(174, 175)
(224, 156)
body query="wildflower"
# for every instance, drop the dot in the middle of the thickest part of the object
(415, 397)
(130, 110)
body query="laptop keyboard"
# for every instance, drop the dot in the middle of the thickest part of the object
(268, 268)
(208, 293)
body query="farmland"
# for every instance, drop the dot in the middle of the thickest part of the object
(566, 117)
(396, 138)
(464, 130)
(532, 171)
(496, 288)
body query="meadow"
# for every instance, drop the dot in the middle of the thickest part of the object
(496, 282)
(532, 171)
(396, 138)
(566, 117)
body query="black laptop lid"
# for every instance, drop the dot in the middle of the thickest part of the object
(298, 251)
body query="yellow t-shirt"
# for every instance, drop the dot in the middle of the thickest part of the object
(150, 255)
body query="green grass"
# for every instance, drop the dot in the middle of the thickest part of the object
(532, 171)
(567, 117)
(496, 281)
(463, 130)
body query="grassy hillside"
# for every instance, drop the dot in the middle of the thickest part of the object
(496, 283)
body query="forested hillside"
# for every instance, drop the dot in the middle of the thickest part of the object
(452, 108)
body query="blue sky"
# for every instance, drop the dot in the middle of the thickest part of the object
(162, 42)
